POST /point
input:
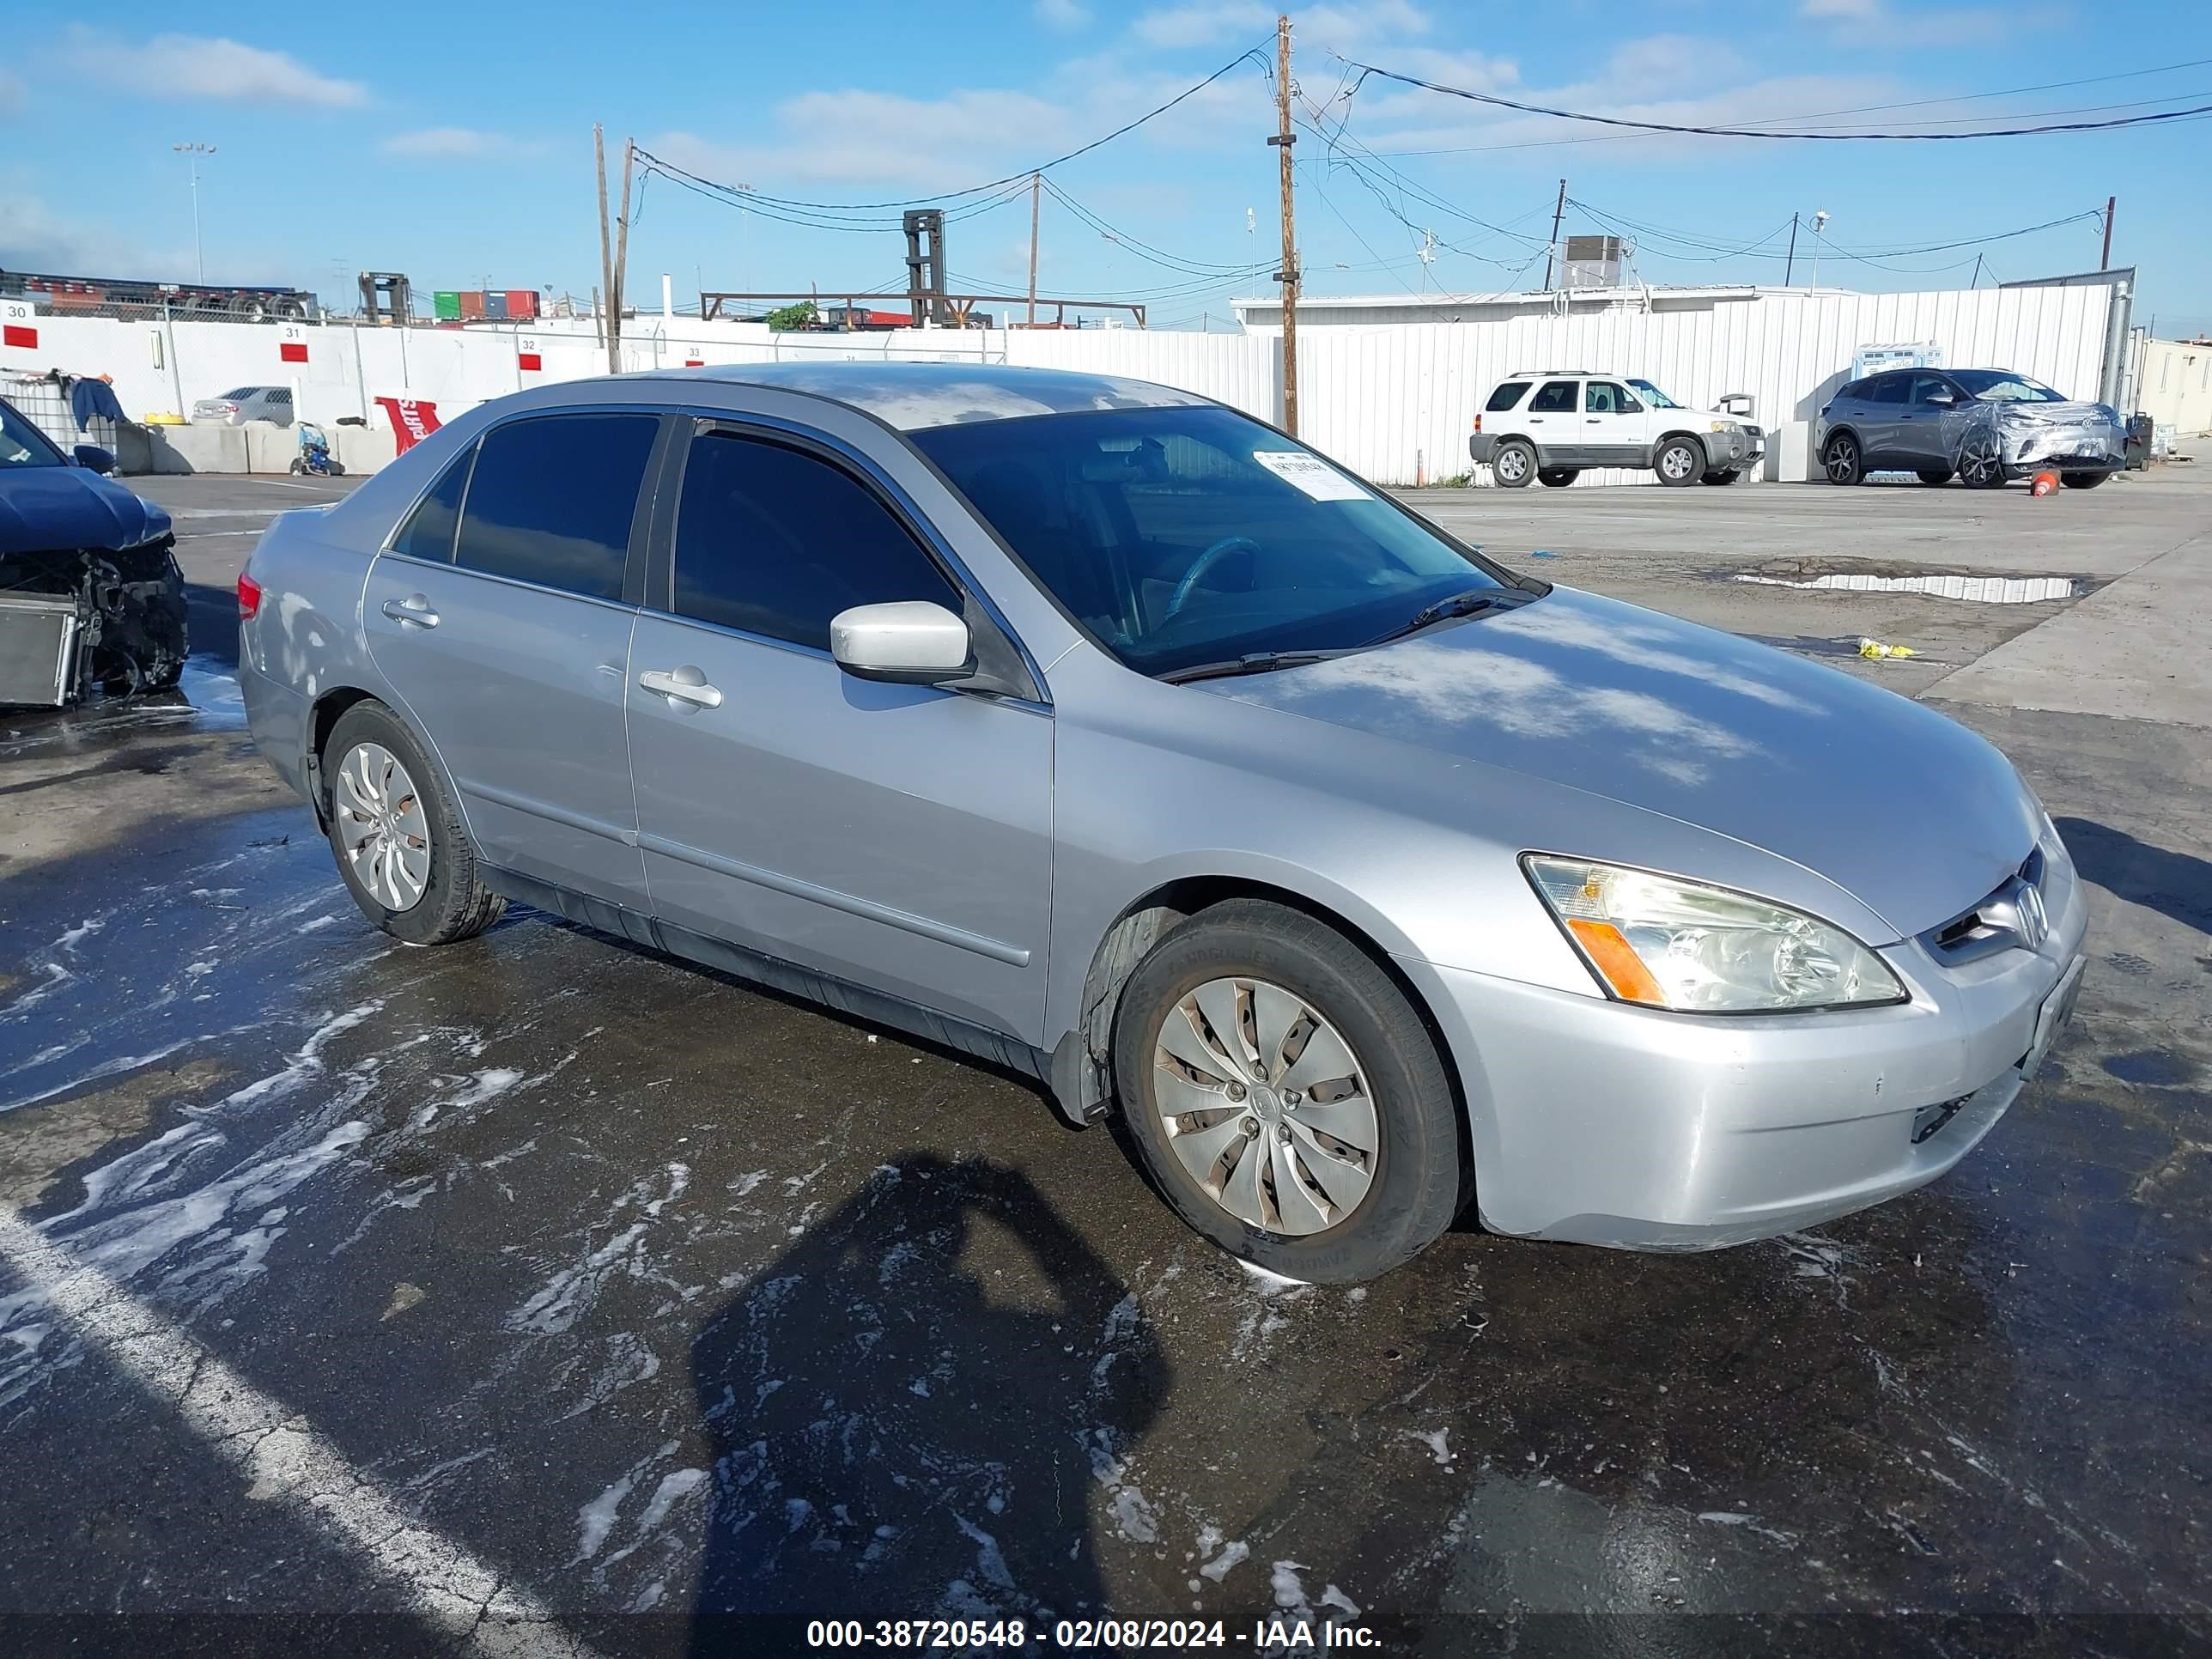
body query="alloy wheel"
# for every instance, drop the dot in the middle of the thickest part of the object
(382, 829)
(1980, 464)
(1266, 1106)
(1675, 463)
(1843, 462)
(1511, 465)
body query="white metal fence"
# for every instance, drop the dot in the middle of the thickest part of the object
(1395, 402)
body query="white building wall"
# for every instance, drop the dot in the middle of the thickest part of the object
(2175, 384)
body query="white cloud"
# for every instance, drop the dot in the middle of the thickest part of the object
(1063, 15)
(204, 67)
(1872, 24)
(851, 137)
(455, 143)
(1201, 25)
(1824, 9)
(33, 237)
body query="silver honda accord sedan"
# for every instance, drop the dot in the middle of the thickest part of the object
(1102, 732)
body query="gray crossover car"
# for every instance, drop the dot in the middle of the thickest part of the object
(1983, 426)
(1103, 731)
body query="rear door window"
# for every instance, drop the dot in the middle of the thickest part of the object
(428, 531)
(1557, 398)
(1505, 396)
(773, 540)
(551, 501)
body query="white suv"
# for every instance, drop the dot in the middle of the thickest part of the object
(1549, 424)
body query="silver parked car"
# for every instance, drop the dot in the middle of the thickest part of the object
(243, 404)
(1102, 731)
(1983, 426)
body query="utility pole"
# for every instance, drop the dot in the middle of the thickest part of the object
(606, 253)
(1977, 282)
(1559, 212)
(1036, 188)
(193, 152)
(1288, 276)
(622, 244)
(1791, 269)
(2106, 262)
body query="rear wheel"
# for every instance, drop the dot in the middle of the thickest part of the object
(1842, 461)
(2082, 480)
(1936, 475)
(1679, 461)
(1558, 477)
(398, 836)
(1287, 1100)
(1514, 463)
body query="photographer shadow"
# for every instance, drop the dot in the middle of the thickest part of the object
(909, 1409)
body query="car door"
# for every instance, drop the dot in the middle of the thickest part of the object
(1554, 420)
(1924, 427)
(1615, 425)
(1883, 439)
(502, 614)
(896, 836)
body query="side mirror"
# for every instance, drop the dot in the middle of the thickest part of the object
(908, 641)
(1941, 399)
(92, 456)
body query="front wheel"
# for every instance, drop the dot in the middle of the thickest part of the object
(398, 836)
(1981, 464)
(1678, 462)
(1514, 463)
(1558, 477)
(2082, 480)
(1842, 461)
(1287, 1100)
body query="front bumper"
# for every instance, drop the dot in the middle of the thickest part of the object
(1606, 1124)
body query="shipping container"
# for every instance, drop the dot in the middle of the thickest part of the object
(472, 302)
(522, 304)
(494, 305)
(445, 305)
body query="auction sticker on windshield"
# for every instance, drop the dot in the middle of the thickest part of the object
(1311, 474)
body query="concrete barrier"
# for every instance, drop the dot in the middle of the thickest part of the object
(362, 450)
(196, 448)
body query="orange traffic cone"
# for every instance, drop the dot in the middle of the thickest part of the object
(2047, 483)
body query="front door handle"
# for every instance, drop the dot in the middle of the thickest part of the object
(684, 686)
(414, 611)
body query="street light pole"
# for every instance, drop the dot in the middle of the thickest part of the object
(192, 153)
(1819, 225)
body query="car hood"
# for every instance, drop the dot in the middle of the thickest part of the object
(2028, 432)
(1911, 813)
(47, 508)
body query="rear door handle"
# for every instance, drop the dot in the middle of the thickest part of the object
(684, 685)
(414, 611)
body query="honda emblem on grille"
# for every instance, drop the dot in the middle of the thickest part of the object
(2034, 922)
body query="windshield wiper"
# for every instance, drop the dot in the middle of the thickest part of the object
(1472, 603)
(1258, 662)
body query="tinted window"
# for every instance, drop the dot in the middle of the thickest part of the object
(775, 541)
(1557, 398)
(428, 531)
(2000, 385)
(1604, 398)
(1885, 389)
(1505, 396)
(552, 499)
(1185, 535)
(1929, 390)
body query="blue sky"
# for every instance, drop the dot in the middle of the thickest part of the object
(465, 157)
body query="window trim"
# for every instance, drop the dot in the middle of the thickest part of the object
(658, 597)
(1521, 390)
(1574, 407)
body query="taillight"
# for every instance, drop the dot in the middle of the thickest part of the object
(1478, 423)
(249, 598)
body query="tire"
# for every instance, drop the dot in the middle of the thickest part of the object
(1375, 1213)
(1980, 463)
(1841, 460)
(443, 898)
(1558, 477)
(2082, 480)
(1513, 464)
(1679, 461)
(1722, 478)
(1936, 475)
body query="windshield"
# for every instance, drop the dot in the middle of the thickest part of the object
(22, 444)
(1185, 535)
(1998, 386)
(1654, 396)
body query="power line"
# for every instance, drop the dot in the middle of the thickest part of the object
(1715, 131)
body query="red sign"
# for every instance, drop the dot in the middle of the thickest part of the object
(412, 421)
(528, 360)
(25, 338)
(695, 362)
(291, 351)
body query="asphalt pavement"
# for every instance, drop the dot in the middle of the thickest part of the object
(542, 1295)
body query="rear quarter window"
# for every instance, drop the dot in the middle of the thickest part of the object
(1505, 396)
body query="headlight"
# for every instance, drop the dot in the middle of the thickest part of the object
(1719, 426)
(1680, 945)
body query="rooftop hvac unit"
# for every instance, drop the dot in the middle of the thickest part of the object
(1593, 262)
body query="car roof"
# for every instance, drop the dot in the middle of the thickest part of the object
(913, 396)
